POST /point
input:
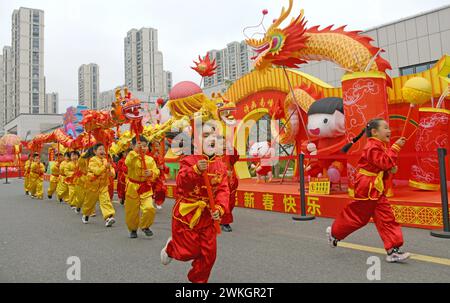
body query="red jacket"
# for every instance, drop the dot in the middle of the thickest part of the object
(191, 189)
(373, 169)
(230, 161)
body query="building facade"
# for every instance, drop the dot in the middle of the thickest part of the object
(144, 70)
(412, 45)
(27, 55)
(232, 62)
(7, 99)
(52, 103)
(88, 85)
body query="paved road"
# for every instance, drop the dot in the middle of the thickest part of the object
(37, 237)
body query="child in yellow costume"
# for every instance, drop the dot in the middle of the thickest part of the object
(139, 209)
(26, 174)
(62, 190)
(99, 172)
(70, 171)
(80, 180)
(54, 178)
(37, 178)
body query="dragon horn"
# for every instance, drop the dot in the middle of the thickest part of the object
(284, 14)
(118, 94)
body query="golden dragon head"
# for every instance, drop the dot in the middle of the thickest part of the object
(126, 108)
(225, 109)
(280, 47)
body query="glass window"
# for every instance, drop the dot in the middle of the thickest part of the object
(407, 71)
(35, 110)
(422, 68)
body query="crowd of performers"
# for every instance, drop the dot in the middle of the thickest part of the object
(82, 180)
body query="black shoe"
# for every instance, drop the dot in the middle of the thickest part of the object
(49, 197)
(133, 234)
(148, 232)
(226, 228)
(27, 193)
(61, 200)
(122, 202)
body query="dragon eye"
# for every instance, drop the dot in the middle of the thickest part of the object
(124, 102)
(325, 121)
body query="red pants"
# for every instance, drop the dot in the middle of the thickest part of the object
(358, 213)
(198, 245)
(120, 188)
(227, 217)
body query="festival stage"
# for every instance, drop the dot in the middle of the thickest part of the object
(412, 208)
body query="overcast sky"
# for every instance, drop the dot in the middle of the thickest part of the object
(85, 31)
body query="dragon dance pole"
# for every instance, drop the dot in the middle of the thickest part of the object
(212, 204)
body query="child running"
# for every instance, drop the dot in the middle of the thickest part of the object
(139, 209)
(193, 227)
(159, 186)
(99, 172)
(26, 174)
(121, 177)
(376, 163)
(37, 170)
(54, 178)
(62, 190)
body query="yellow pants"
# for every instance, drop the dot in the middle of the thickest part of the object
(62, 190)
(36, 187)
(52, 188)
(71, 196)
(139, 209)
(79, 196)
(26, 183)
(101, 195)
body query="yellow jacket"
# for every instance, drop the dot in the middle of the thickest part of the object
(82, 167)
(37, 171)
(62, 170)
(135, 169)
(69, 170)
(55, 172)
(97, 175)
(27, 167)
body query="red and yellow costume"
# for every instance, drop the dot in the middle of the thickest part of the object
(121, 178)
(54, 179)
(62, 189)
(36, 179)
(69, 172)
(193, 230)
(370, 196)
(233, 183)
(26, 174)
(138, 197)
(97, 182)
(159, 185)
(80, 178)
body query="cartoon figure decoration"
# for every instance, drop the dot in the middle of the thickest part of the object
(326, 125)
(265, 152)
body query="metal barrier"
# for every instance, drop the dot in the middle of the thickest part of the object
(442, 153)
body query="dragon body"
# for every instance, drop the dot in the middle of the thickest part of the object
(296, 44)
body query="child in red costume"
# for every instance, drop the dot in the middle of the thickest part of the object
(193, 231)
(376, 163)
(159, 186)
(121, 177)
(230, 157)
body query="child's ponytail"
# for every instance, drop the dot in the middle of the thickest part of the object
(347, 147)
(373, 124)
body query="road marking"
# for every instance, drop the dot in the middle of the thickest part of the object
(423, 258)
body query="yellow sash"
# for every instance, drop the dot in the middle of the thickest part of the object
(186, 208)
(379, 185)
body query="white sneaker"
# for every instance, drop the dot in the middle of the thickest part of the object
(84, 219)
(158, 207)
(332, 241)
(397, 256)
(165, 259)
(73, 208)
(110, 221)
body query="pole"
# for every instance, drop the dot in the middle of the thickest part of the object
(6, 176)
(303, 216)
(442, 153)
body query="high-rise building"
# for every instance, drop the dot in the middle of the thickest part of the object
(168, 82)
(27, 55)
(2, 96)
(8, 100)
(232, 62)
(88, 85)
(51, 103)
(144, 70)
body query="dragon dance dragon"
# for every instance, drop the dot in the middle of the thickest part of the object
(296, 44)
